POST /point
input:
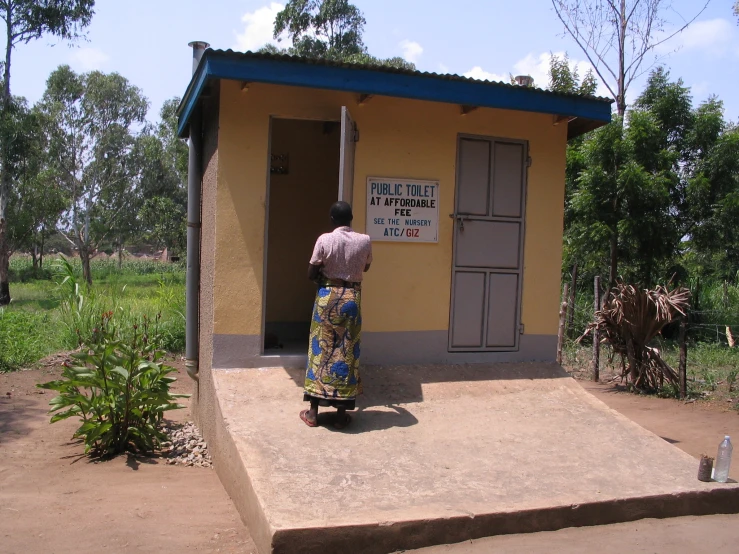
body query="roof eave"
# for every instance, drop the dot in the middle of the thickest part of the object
(190, 99)
(402, 85)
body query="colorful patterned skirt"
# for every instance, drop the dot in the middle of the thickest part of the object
(332, 375)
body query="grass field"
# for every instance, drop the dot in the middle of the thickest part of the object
(49, 307)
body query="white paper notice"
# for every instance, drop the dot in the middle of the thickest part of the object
(402, 210)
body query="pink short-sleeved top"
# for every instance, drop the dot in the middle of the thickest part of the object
(343, 254)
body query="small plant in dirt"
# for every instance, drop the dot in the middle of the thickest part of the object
(119, 390)
(709, 380)
(669, 390)
(731, 379)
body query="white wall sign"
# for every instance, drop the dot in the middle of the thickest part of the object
(402, 210)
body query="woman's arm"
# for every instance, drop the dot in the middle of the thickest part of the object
(314, 272)
(316, 261)
(368, 263)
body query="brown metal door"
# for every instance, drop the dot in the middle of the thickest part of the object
(488, 245)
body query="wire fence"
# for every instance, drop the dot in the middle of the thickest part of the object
(710, 329)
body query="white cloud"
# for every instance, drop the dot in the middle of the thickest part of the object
(536, 66)
(258, 28)
(713, 35)
(88, 59)
(411, 50)
(478, 72)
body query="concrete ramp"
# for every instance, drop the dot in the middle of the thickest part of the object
(442, 454)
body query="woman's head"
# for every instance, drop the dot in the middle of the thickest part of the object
(341, 214)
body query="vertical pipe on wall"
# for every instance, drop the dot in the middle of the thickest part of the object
(194, 180)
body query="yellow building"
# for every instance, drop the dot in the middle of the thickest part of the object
(459, 182)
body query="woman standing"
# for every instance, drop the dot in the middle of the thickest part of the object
(337, 265)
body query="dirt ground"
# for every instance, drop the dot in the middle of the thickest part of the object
(53, 500)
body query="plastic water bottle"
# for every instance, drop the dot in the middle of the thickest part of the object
(723, 461)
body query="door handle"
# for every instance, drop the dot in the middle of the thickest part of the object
(460, 219)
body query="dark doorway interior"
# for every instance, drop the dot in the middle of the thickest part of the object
(304, 178)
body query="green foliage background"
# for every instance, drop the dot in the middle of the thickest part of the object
(44, 317)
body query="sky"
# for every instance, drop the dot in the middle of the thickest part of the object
(146, 42)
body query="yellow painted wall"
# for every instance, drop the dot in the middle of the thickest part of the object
(408, 287)
(300, 200)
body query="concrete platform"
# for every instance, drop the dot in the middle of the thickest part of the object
(442, 454)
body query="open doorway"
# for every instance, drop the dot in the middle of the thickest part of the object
(304, 180)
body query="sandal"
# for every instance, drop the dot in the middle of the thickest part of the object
(308, 422)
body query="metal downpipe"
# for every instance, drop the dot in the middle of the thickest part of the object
(194, 180)
(192, 285)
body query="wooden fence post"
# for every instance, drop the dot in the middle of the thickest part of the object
(571, 309)
(562, 316)
(596, 333)
(683, 364)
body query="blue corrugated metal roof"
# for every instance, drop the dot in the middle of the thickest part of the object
(386, 81)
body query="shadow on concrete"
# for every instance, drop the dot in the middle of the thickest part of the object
(391, 385)
(365, 421)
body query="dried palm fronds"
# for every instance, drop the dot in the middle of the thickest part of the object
(629, 320)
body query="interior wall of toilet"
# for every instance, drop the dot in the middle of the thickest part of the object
(303, 183)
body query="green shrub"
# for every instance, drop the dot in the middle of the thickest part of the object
(119, 390)
(170, 300)
(23, 340)
(77, 308)
(731, 379)
(80, 305)
(30, 273)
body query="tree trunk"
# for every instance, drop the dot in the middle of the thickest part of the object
(4, 266)
(85, 259)
(41, 249)
(34, 256)
(5, 178)
(120, 253)
(623, 29)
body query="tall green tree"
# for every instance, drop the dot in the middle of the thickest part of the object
(93, 117)
(564, 77)
(35, 201)
(27, 20)
(327, 29)
(624, 188)
(711, 194)
(162, 160)
(615, 195)
(619, 38)
(665, 185)
(164, 223)
(175, 149)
